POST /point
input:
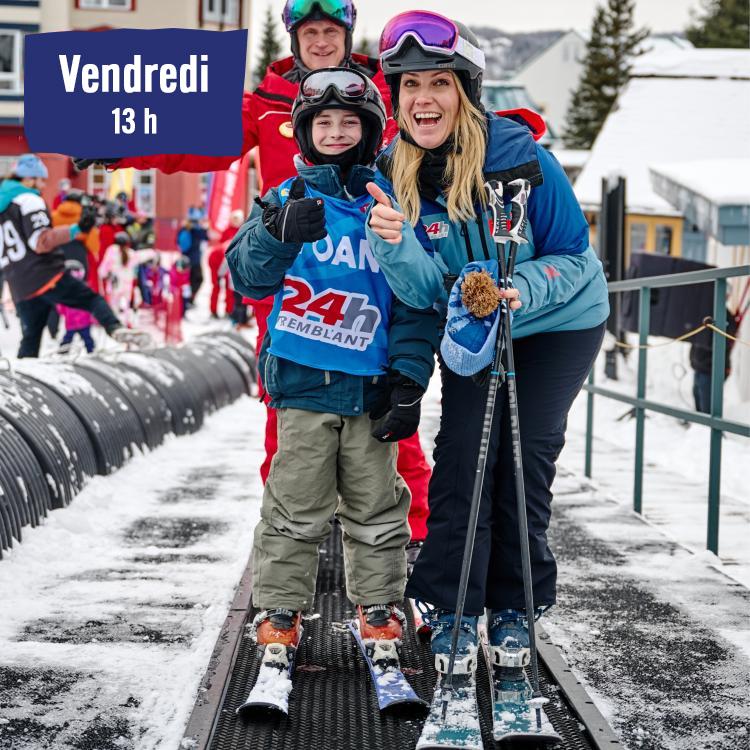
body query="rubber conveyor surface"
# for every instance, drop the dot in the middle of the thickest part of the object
(333, 704)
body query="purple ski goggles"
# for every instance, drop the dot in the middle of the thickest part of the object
(434, 33)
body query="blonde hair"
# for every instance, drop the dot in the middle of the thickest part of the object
(463, 172)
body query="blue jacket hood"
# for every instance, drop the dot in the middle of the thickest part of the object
(9, 189)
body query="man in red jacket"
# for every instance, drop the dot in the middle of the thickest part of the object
(319, 39)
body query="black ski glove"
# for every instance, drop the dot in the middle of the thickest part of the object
(402, 405)
(88, 219)
(300, 219)
(81, 164)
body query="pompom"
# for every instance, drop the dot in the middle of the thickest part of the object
(480, 294)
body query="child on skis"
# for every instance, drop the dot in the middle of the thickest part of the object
(76, 321)
(344, 362)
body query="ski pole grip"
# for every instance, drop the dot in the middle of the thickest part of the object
(519, 191)
(496, 203)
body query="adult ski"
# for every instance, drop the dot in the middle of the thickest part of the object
(514, 712)
(270, 693)
(391, 686)
(460, 728)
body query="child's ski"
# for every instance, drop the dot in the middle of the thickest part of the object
(391, 685)
(274, 682)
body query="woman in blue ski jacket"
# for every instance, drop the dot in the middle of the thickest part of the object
(345, 363)
(438, 223)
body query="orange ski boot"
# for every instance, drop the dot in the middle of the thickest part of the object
(381, 627)
(278, 626)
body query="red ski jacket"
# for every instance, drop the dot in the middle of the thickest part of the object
(267, 123)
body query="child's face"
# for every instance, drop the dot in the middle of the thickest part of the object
(336, 130)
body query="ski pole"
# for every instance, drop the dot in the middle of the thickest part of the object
(519, 190)
(501, 235)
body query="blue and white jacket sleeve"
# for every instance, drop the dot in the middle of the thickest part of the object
(413, 270)
(256, 259)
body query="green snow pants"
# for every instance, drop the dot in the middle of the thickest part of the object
(329, 464)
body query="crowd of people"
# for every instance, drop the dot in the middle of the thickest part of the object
(350, 257)
(90, 261)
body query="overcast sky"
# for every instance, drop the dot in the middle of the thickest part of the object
(508, 15)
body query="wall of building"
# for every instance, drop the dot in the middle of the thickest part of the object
(646, 232)
(552, 77)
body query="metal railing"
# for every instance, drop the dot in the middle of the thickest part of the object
(641, 404)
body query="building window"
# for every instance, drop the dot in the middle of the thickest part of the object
(637, 238)
(663, 240)
(222, 11)
(106, 4)
(11, 43)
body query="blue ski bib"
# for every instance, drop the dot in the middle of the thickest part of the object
(333, 312)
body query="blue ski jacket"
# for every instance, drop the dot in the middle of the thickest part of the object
(259, 264)
(558, 274)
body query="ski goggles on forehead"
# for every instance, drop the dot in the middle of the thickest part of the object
(297, 10)
(348, 85)
(434, 33)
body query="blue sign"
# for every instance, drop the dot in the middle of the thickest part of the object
(129, 92)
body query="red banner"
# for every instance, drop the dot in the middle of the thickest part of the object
(228, 193)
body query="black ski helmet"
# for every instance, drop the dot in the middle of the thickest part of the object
(339, 88)
(412, 56)
(341, 12)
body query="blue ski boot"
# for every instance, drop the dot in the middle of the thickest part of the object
(442, 636)
(509, 638)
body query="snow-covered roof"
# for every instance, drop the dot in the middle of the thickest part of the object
(668, 60)
(724, 182)
(571, 157)
(667, 120)
(713, 194)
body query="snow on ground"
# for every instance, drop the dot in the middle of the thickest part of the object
(111, 609)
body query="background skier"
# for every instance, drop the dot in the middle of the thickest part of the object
(35, 271)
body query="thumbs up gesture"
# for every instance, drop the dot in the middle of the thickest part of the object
(385, 221)
(299, 220)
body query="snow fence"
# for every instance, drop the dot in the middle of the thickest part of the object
(63, 421)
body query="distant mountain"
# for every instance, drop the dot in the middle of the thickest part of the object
(506, 53)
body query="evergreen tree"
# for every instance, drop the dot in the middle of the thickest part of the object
(606, 68)
(270, 46)
(725, 23)
(365, 47)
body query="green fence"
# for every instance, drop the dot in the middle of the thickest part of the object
(641, 404)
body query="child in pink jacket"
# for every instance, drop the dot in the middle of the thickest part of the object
(76, 321)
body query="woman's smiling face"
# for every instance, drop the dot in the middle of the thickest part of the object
(428, 101)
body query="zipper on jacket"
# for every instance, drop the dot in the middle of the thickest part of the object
(465, 233)
(327, 377)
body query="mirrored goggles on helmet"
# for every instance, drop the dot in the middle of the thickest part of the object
(349, 86)
(296, 11)
(434, 33)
